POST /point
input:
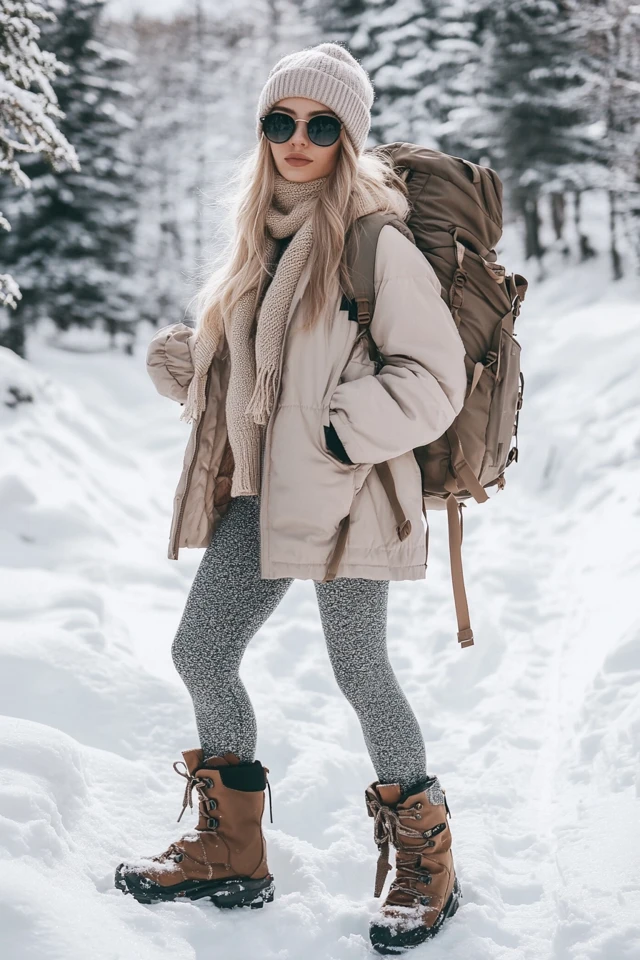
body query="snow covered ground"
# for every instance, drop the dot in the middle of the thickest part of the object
(534, 731)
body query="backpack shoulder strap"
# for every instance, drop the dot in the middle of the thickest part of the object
(362, 243)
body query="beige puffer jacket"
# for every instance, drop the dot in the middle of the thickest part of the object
(307, 493)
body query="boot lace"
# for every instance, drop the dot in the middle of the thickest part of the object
(175, 851)
(389, 828)
(200, 784)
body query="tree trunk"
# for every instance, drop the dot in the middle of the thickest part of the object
(529, 208)
(584, 244)
(558, 214)
(616, 260)
(200, 128)
(13, 336)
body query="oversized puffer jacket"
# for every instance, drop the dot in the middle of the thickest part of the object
(326, 380)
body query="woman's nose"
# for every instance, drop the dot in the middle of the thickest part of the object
(299, 135)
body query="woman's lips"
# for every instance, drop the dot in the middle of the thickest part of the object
(295, 162)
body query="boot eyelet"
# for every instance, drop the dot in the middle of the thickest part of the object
(208, 782)
(212, 823)
(179, 857)
(425, 901)
(212, 804)
(430, 843)
(418, 805)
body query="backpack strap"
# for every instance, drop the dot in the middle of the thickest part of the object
(362, 242)
(461, 469)
(403, 524)
(454, 518)
(456, 290)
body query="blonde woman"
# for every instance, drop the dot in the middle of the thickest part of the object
(289, 416)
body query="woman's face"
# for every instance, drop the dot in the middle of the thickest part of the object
(321, 160)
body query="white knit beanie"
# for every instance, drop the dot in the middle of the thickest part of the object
(327, 73)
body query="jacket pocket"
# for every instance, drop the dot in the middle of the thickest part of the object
(334, 444)
(354, 365)
(322, 440)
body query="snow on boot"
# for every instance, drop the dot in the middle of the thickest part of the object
(425, 890)
(225, 857)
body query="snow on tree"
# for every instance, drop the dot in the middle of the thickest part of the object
(71, 247)
(397, 44)
(199, 75)
(424, 59)
(610, 35)
(462, 67)
(534, 106)
(28, 111)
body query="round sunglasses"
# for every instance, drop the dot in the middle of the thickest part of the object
(322, 130)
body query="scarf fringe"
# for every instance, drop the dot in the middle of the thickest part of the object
(196, 400)
(263, 397)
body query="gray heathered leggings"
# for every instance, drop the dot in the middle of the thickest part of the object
(228, 603)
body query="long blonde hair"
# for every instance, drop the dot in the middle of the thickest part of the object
(243, 265)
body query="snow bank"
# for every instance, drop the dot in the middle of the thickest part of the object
(534, 731)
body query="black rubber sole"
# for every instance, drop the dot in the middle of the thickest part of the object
(235, 892)
(387, 942)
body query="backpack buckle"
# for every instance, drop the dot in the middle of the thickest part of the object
(491, 358)
(362, 305)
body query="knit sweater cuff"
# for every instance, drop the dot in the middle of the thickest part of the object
(246, 472)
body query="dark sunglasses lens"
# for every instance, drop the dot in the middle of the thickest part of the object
(324, 130)
(278, 127)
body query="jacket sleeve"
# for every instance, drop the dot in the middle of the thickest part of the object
(170, 362)
(421, 387)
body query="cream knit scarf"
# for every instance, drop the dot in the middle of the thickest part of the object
(254, 370)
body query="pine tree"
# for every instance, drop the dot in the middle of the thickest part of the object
(425, 61)
(462, 53)
(397, 44)
(339, 20)
(534, 106)
(199, 75)
(28, 113)
(72, 244)
(610, 34)
(162, 139)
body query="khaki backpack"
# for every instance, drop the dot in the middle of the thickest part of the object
(455, 221)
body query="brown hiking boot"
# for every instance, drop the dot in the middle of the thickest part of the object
(425, 890)
(225, 857)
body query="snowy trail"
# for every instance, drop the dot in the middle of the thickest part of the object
(534, 731)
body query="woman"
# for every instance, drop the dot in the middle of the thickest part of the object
(289, 418)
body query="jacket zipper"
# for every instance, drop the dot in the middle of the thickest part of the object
(176, 537)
